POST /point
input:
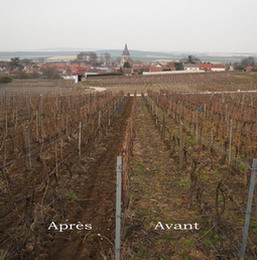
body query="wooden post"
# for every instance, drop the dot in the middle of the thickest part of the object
(67, 126)
(226, 112)
(222, 98)
(212, 137)
(79, 140)
(6, 125)
(243, 99)
(228, 125)
(256, 122)
(118, 208)
(37, 126)
(109, 117)
(196, 125)
(56, 161)
(99, 119)
(230, 141)
(163, 127)
(181, 159)
(16, 117)
(248, 210)
(29, 148)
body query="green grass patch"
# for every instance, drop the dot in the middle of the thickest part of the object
(71, 195)
(156, 169)
(184, 182)
(134, 196)
(144, 251)
(215, 239)
(140, 169)
(198, 219)
(191, 141)
(185, 256)
(188, 242)
(170, 237)
(242, 166)
(144, 212)
(215, 173)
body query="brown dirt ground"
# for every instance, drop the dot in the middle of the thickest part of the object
(91, 199)
(96, 205)
(157, 194)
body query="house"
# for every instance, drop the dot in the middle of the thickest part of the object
(77, 69)
(169, 68)
(156, 68)
(191, 67)
(205, 66)
(251, 68)
(208, 67)
(72, 77)
(100, 69)
(218, 67)
(2, 68)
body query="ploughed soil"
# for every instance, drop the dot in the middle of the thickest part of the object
(94, 203)
(82, 191)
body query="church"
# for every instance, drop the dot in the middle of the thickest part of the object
(125, 61)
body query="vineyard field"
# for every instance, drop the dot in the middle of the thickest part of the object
(188, 145)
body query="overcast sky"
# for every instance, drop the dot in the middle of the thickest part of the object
(151, 25)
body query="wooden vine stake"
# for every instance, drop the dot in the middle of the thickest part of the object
(256, 121)
(156, 118)
(196, 125)
(16, 117)
(6, 125)
(79, 139)
(5, 137)
(37, 125)
(29, 145)
(56, 162)
(230, 140)
(248, 210)
(109, 117)
(99, 119)
(205, 110)
(67, 126)
(181, 162)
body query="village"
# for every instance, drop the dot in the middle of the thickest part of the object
(88, 64)
(128, 130)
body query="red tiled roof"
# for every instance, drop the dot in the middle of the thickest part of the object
(218, 66)
(155, 69)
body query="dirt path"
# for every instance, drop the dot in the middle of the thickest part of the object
(158, 193)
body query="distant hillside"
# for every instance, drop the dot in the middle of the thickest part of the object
(136, 55)
(28, 54)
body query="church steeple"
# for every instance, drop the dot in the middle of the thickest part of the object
(126, 52)
(125, 60)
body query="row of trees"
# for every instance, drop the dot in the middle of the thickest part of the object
(5, 79)
(91, 57)
(246, 62)
(16, 68)
(241, 65)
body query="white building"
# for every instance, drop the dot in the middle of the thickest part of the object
(173, 72)
(218, 67)
(72, 77)
(191, 67)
